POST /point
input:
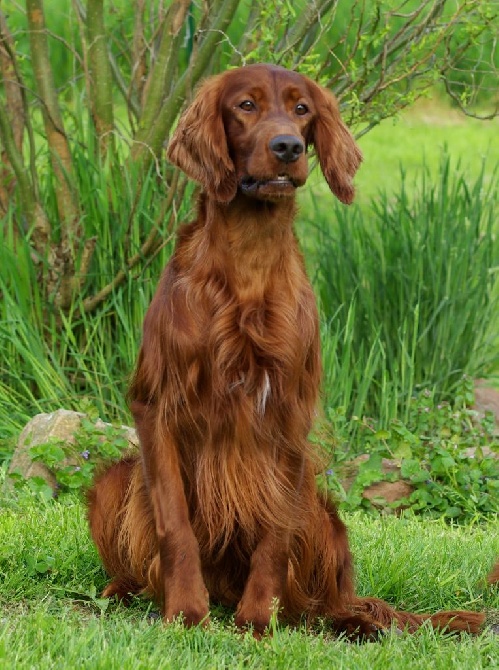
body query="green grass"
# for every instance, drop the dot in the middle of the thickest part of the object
(50, 616)
(415, 139)
(418, 138)
(86, 363)
(43, 639)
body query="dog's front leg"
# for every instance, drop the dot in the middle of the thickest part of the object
(269, 564)
(266, 582)
(177, 581)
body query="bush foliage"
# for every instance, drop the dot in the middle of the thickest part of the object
(89, 97)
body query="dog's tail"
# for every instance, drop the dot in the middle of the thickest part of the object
(455, 621)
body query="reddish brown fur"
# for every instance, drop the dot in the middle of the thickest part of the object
(223, 503)
(493, 578)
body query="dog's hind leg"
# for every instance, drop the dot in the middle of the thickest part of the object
(106, 504)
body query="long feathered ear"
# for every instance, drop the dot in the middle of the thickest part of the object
(338, 154)
(199, 145)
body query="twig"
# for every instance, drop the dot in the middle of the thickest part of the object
(146, 249)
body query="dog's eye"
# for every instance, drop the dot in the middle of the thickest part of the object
(301, 109)
(247, 105)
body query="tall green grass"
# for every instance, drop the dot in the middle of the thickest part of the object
(408, 290)
(81, 359)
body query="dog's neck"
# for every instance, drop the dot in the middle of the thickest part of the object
(256, 240)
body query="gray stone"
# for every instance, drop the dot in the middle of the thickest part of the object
(487, 400)
(61, 425)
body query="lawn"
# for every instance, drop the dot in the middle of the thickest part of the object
(50, 616)
(415, 139)
(418, 138)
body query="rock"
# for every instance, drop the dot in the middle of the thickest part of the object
(382, 491)
(487, 400)
(62, 426)
(486, 452)
(389, 492)
(348, 470)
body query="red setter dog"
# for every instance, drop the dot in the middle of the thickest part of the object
(222, 503)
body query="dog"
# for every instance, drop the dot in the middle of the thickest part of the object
(222, 502)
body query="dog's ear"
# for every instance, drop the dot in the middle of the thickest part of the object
(338, 154)
(199, 145)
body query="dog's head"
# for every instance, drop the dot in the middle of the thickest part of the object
(249, 129)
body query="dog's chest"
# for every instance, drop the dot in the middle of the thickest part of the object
(263, 350)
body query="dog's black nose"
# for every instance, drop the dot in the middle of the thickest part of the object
(287, 148)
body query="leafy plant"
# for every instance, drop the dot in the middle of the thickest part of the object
(88, 206)
(96, 127)
(448, 454)
(31, 487)
(74, 464)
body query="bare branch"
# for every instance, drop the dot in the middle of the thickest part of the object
(305, 26)
(199, 64)
(245, 45)
(464, 109)
(14, 111)
(14, 156)
(139, 66)
(32, 209)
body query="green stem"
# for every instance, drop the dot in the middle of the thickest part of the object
(161, 75)
(54, 127)
(150, 144)
(100, 88)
